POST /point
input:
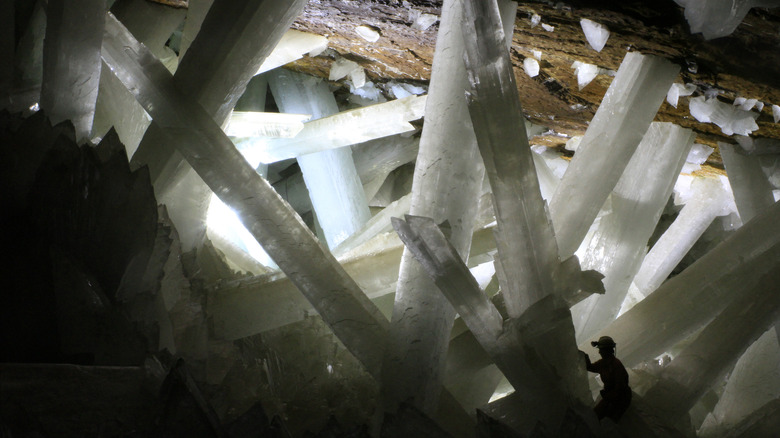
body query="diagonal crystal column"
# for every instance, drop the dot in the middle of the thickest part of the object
(447, 182)
(752, 190)
(338, 299)
(152, 24)
(236, 37)
(754, 382)
(708, 202)
(691, 299)
(331, 178)
(713, 353)
(613, 135)
(552, 377)
(618, 245)
(71, 62)
(528, 253)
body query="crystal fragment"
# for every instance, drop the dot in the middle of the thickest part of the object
(367, 33)
(776, 113)
(626, 111)
(718, 18)
(585, 73)
(547, 27)
(731, 120)
(596, 33)
(535, 20)
(293, 46)
(678, 90)
(71, 62)
(752, 191)
(424, 21)
(531, 67)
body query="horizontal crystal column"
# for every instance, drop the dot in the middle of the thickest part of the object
(691, 299)
(613, 135)
(343, 129)
(338, 299)
(257, 124)
(263, 303)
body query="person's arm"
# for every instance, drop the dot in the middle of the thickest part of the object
(588, 365)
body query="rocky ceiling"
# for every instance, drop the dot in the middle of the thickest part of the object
(744, 64)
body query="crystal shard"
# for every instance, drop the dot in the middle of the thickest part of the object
(596, 34)
(730, 119)
(621, 120)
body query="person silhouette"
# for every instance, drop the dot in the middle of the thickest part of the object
(616, 394)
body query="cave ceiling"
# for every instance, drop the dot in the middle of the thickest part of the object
(744, 64)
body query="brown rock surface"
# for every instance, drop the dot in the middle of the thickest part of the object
(744, 64)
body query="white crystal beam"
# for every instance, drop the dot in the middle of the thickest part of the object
(619, 243)
(334, 186)
(754, 382)
(375, 159)
(526, 245)
(691, 299)
(717, 348)
(344, 129)
(707, 203)
(624, 115)
(151, 24)
(260, 124)
(752, 190)
(447, 183)
(337, 298)
(71, 62)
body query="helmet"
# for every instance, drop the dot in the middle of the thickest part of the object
(604, 342)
